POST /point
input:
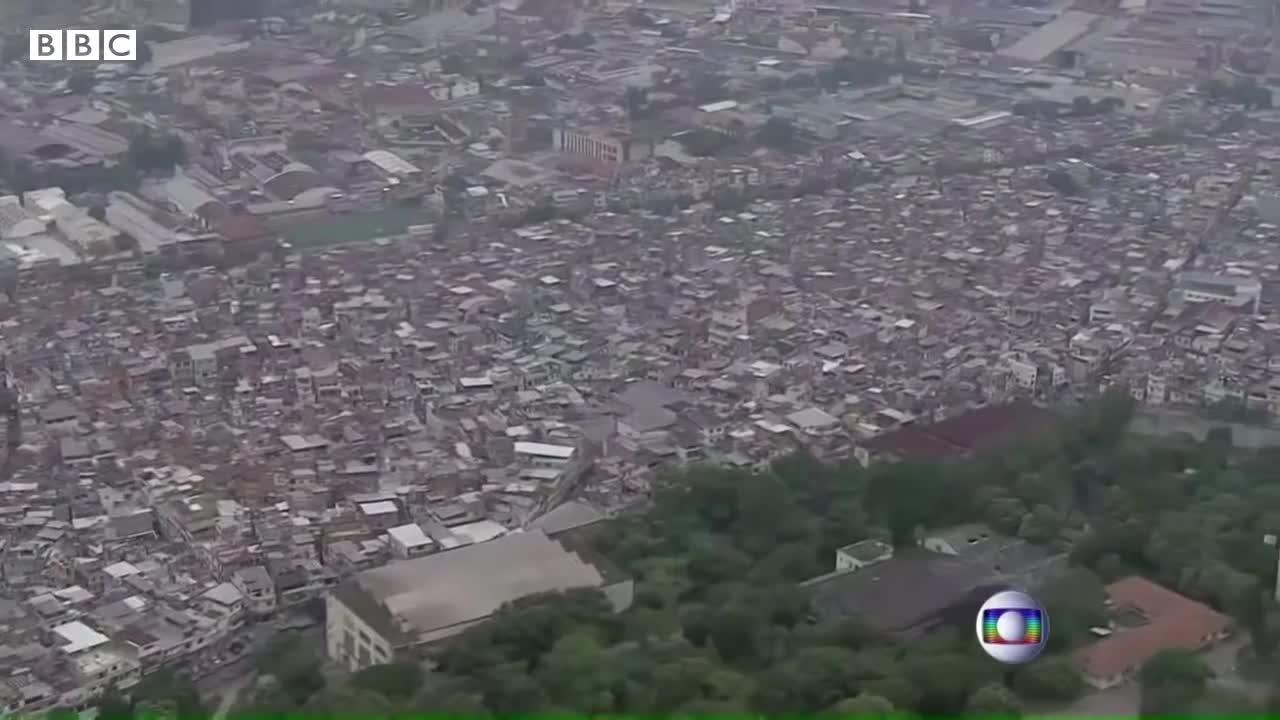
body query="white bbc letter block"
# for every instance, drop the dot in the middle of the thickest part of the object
(119, 45)
(84, 45)
(45, 44)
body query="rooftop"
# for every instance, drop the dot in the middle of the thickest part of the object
(433, 597)
(963, 434)
(1169, 621)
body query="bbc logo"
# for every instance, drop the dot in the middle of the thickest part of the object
(94, 45)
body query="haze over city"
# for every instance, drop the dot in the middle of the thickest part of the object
(362, 357)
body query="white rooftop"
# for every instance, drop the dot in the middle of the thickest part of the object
(299, 443)
(224, 594)
(812, 419)
(409, 535)
(718, 106)
(121, 570)
(560, 452)
(385, 507)
(479, 531)
(441, 594)
(79, 637)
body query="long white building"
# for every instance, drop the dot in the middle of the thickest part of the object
(381, 613)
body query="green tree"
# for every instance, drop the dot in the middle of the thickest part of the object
(396, 681)
(716, 560)
(508, 688)
(294, 665)
(710, 87)
(157, 709)
(732, 633)
(342, 701)
(946, 680)
(1042, 525)
(268, 701)
(170, 691)
(148, 152)
(898, 690)
(811, 680)
(682, 681)
(114, 706)
(450, 696)
(778, 132)
(1050, 679)
(577, 673)
(993, 700)
(703, 708)
(635, 100)
(1076, 602)
(1255, 615)
(1172, 680)
(1103, 421)
(863, 706)
(906, 497)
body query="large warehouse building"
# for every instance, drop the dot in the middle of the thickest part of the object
(381, 612)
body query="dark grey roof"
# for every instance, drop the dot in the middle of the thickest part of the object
(126, 526)
(646, 418)
(901, 593)
(568, 516)
(898, 593)
(59, 410)
(647, 393)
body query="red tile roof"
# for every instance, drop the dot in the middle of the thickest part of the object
(984, 427)
(963, 434)
(1173, 622)
(913, 442)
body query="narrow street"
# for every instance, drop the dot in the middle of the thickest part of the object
(231, 694)
(222, 686)
(1222, 660)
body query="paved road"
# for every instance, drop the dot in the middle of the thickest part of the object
(223, 679)
(1222, 658)
(231, 694)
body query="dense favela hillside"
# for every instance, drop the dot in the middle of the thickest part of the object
(737, 607)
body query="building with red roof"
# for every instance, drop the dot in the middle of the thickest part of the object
(961, 435)
(1146, 619)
